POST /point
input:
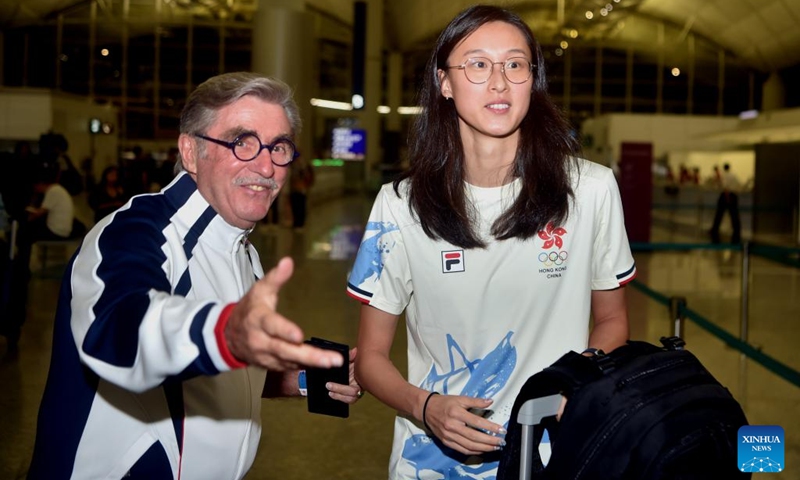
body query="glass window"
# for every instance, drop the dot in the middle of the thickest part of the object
(205, 54)
(74, 59)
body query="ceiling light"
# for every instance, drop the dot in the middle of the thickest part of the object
(564, 44)
(603, 12)
(318, 102)
(589, 15)
(409, 110)
(676, 71)
(748, 115)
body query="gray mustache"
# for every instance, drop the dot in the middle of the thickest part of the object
(264, 182)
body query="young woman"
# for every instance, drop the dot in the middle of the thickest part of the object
(497, 244)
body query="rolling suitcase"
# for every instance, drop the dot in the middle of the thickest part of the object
(640, 412)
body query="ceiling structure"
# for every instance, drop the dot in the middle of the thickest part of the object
(760, 34)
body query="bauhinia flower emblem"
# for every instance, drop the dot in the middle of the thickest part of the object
(552, 236)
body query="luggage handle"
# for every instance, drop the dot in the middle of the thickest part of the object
(530, 414)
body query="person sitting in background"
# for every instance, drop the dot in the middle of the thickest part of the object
(54, 219)
(108, 195)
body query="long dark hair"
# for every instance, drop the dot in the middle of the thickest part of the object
(436, 172)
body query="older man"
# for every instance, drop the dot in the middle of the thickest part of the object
(167, 334)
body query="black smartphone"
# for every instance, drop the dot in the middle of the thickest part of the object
(318, 399)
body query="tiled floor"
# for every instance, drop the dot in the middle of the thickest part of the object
(298, 445)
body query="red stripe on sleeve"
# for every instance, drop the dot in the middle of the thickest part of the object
(219, 333)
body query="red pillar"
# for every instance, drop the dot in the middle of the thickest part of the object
(636, 188)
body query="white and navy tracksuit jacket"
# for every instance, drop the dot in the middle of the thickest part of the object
(139, 385)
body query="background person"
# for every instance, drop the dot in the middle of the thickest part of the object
(54, 218)
(728, 201)
(16, 187)
(165, 171)
(497, 245)
(53, 149)
(167, 332)
(108, 195)
(300, 182)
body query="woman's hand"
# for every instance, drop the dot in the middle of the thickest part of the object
(451, 421)
(350, 393)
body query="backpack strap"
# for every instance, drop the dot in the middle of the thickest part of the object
(573, 370)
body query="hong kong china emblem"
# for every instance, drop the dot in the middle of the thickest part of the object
(553, 258)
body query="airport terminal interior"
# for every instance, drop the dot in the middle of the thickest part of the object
(662, 91)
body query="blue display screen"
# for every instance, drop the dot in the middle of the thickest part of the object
(349, 143)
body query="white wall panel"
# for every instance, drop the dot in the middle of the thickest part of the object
(24, 114)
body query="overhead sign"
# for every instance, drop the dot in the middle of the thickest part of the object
(349, 143)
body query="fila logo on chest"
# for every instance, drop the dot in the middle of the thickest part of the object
(452, 261)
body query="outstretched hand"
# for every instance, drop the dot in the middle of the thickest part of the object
(258, 335)
(450, 419)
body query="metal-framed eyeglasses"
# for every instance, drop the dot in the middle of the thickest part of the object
(479, 69)
(248, 146)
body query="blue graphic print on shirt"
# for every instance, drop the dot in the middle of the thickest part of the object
(369, 261)
(486, 377)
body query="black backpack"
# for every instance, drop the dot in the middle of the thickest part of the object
(639, 412)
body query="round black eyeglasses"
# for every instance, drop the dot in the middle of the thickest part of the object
(479, 69)
(248, 146)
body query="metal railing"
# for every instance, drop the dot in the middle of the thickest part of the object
(679, 310)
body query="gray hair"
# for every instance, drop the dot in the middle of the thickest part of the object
(200, 111)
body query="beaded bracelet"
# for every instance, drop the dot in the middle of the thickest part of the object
(425, 408)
